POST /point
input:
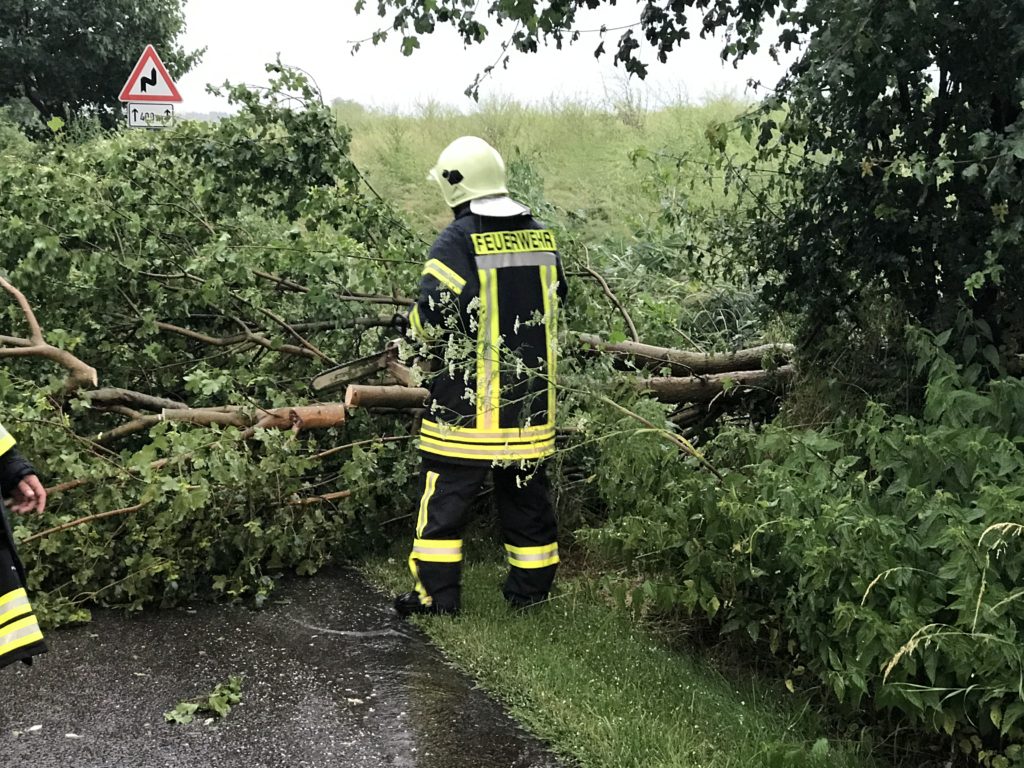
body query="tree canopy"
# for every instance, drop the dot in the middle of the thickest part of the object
(68, 57)
(893, 145)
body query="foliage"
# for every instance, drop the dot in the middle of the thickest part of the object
(579, 151)
(142, 254)
(217, 703)
(71, 58)
(899, 161)
(879, 556)
(895, 143)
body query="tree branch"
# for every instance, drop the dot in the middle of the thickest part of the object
(248, 337)
(682, 362)
(110, 398)
(372, 298)
(614, 300)
(320, 499)
(86, 519)
(79, 374)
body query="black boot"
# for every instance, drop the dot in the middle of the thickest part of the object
(409, 604)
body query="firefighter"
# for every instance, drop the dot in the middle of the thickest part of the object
(487, 309)
(20, 638)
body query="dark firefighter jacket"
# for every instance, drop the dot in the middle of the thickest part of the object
(488, 303)
(20, 638)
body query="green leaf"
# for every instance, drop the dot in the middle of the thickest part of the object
(409, 44)
(991, 355)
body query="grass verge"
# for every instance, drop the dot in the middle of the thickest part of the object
(601, 690)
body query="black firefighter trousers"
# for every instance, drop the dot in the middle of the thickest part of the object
(528, 525)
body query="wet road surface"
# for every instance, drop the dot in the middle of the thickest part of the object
(332, 678)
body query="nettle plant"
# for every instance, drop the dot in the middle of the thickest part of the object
(881, 556)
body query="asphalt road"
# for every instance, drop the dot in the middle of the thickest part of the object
(332, 678)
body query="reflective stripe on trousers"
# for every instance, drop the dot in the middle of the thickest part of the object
(532, 557)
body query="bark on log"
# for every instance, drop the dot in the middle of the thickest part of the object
(683, 363)
(368, 396)
(402, 373)
(111, 397)
(336, 496)
(298, 418)
(701, 389)
(304, 417)
(668, 389)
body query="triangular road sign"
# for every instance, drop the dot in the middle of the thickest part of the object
(150, 81)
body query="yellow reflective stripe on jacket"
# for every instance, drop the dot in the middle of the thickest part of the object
(13, 605)
(494, 415)
(416, 324)
(532, 557)
(516, 241)
(428, 492)
(488, 375)
(511, 435)
(548, 280)
(437, 550)
(483, 452)
(19, 634)
(445, 275)
(6, 440)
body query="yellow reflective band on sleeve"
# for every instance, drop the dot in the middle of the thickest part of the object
(14, 605)
(483, 452)
(517, 241)
(19, 634)
(437, 550)
(532, 557)
(6, 440)
(428, 491)
(445, 275)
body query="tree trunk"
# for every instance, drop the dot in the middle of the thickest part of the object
(683, 363)
(701, 389)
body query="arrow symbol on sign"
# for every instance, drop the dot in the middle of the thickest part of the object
(151, 80)
(135, 114)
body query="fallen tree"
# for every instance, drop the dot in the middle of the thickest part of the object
(188, 304)
(686, 363)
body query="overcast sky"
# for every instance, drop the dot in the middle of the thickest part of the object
(241, 37)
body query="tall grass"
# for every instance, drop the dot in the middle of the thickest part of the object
(582, 151)
(609, 695)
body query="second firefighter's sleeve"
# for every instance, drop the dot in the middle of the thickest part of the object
(13, 466)
(437, 309)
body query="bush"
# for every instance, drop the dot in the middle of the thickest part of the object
(136, 250)
(878, 555)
